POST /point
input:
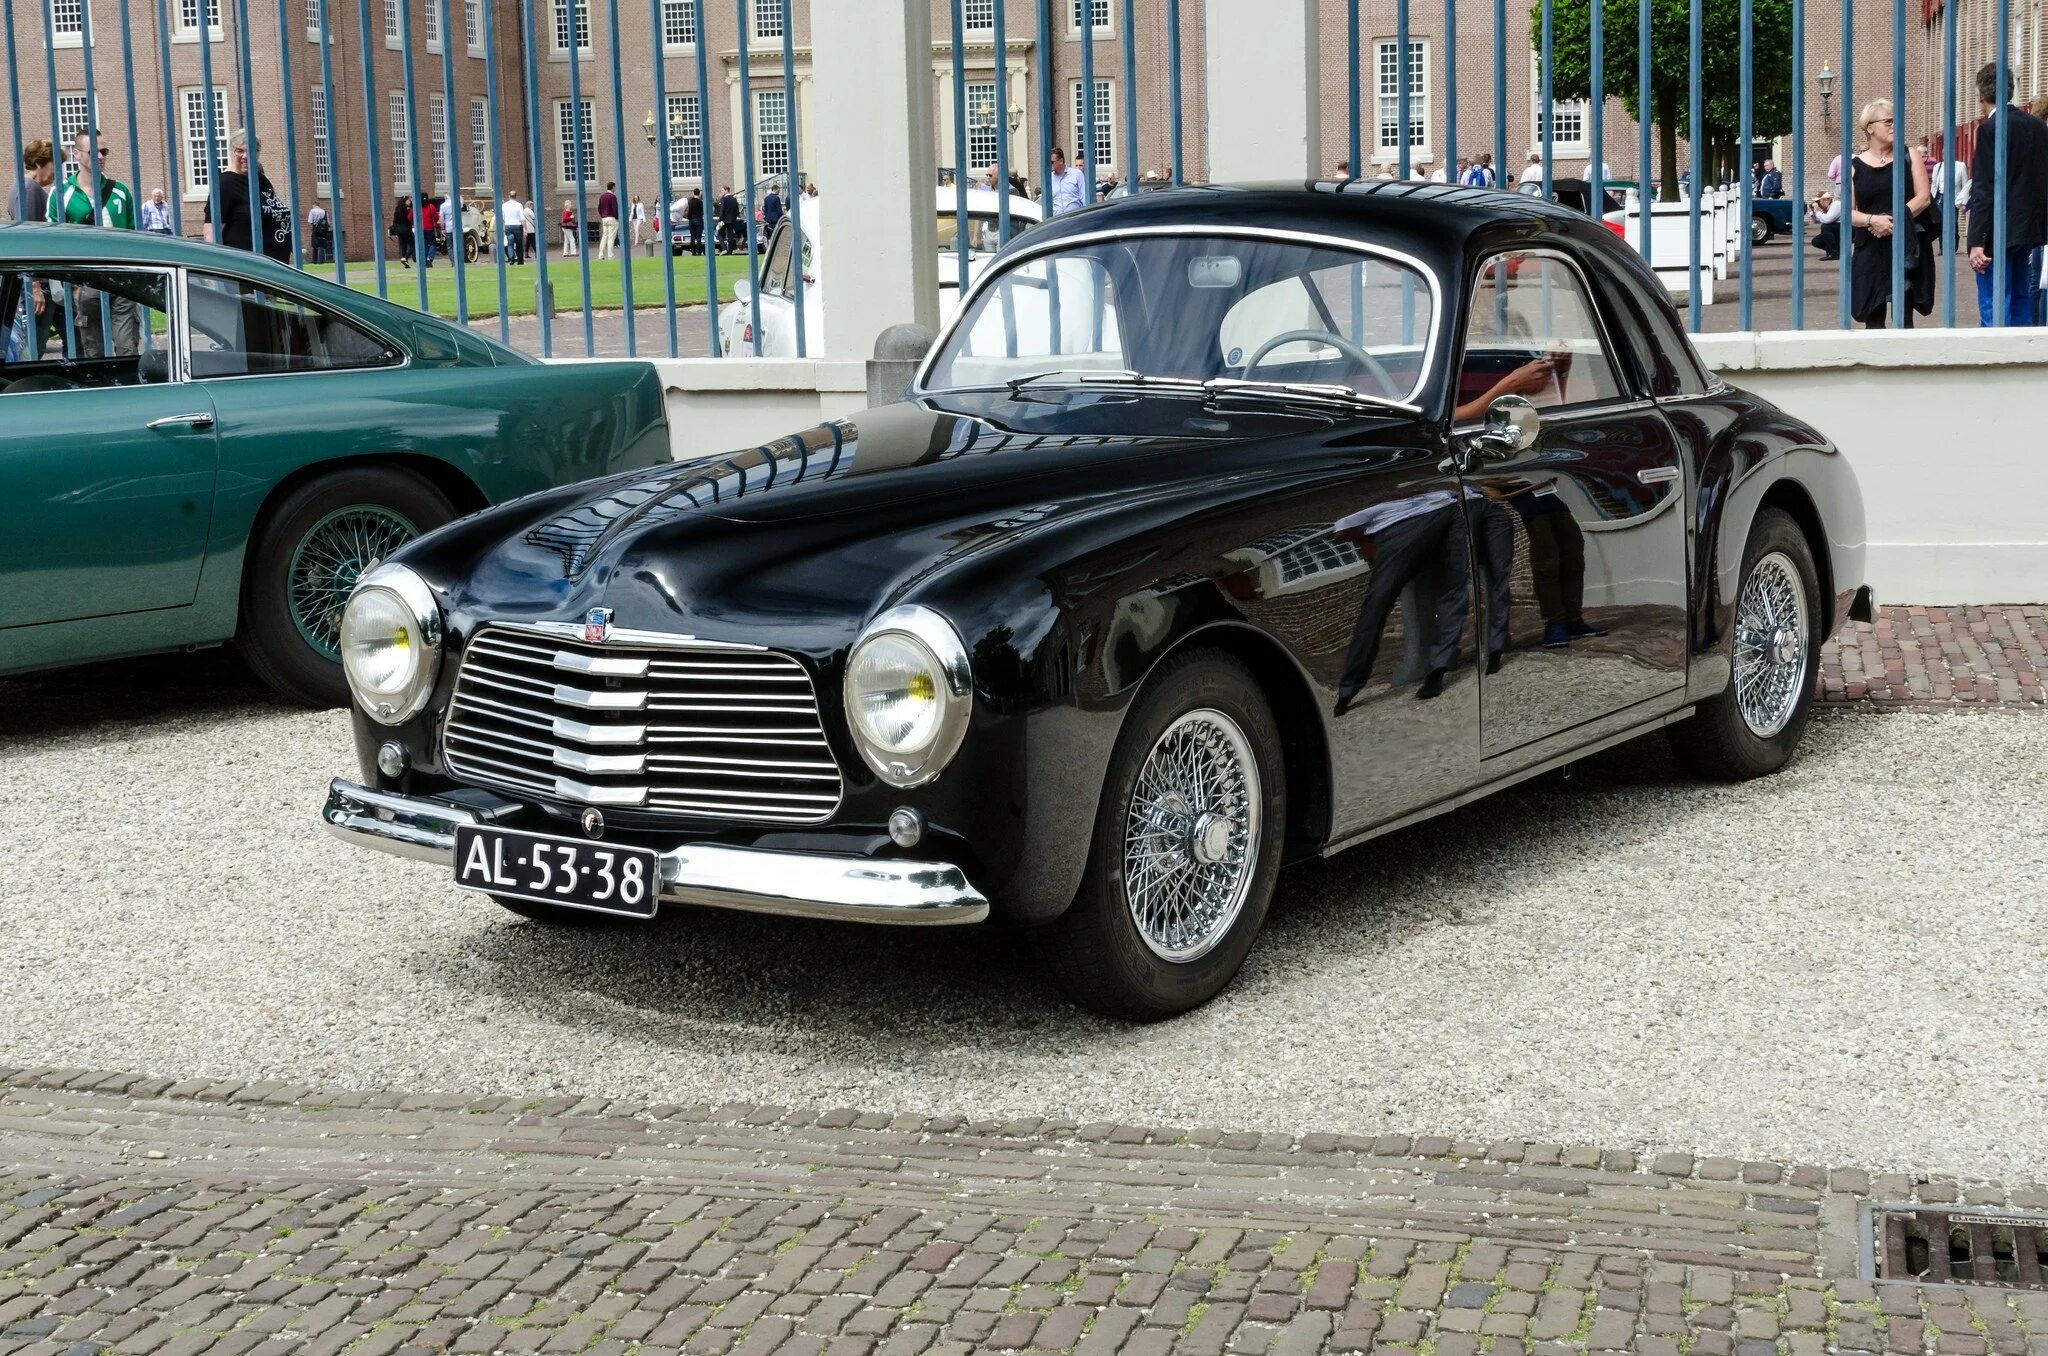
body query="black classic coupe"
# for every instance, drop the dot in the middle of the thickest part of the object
(1222, 528)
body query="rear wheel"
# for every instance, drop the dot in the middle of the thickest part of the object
(304, 562)
(1186, 848)
(1750, 729)
(1761, 230)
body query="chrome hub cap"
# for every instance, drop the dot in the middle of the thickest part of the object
(1191, 840)
(1771, 638)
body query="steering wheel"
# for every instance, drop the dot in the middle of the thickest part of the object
(1338, 341)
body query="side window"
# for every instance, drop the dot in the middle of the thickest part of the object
(1531, 331)
(69, 328)
(775, 270)
(241, 329)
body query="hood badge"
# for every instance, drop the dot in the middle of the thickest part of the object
(597, 625)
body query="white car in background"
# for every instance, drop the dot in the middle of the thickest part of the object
(777, 337)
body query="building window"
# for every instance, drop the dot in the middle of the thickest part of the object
(316, 10)
(479, 142)
(188, 17)
(685, 148)
(678, 23)
(391, 23)
(67, 22)
(70, 117)
(437, 141)
(564, 10)
(981, 131)
(570, 140)
(771, 131)
(401, 144)
(1097, 10)
(768, 19)
(1388, 65)
(433, 12)
(1102, 135)
(980, 16)
(193, 102)
(1567, 119)
(473, 26)
(323, 162)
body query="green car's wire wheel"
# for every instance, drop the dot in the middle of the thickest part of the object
(307, 552)
(330, 558)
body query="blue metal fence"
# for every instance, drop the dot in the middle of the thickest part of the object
(1580, 49)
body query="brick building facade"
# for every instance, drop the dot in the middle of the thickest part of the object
(449, 124)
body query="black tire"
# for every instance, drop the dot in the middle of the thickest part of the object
(268, 637)
(1761, 229)
(554, 915)
(1095, 950)
(1718, 742)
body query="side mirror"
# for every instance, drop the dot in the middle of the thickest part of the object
(743, 291)
(1512, 427)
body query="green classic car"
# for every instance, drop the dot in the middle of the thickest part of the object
(201, 446)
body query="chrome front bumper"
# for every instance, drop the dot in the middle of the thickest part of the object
(797, 884)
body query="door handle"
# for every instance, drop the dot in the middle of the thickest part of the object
(201, 420)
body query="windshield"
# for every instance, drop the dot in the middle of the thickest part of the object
(1190, 309)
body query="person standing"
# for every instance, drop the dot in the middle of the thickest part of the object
(2026, 200)
(571, 237)
(401, 229)
(1771, 183)
(430, 226)
(1877, 234)
(320, 232)
(641, 238)
(29, 197)
(106, 326)
(237, 230)
(608, 223)
(155, 216)
(512, 227)
(1067, 188)
(771, 209)
(731, 234)
(693, 217)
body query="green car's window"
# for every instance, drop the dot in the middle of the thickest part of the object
(76, 328)
(241, 329)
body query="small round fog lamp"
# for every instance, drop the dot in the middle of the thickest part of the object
(906, 827)
(391, 759)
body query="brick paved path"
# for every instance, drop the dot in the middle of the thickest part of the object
(150, 1217)
(1923, 658)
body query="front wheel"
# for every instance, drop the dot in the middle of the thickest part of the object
(1186, 849)
(1761, 230)
(1751, 728)
(304, 563)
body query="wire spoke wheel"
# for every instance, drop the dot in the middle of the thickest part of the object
(327, 562)
(1771, 641)
(1191, 836)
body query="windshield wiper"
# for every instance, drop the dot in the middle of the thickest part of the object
(1322, 393)
(1098, 378)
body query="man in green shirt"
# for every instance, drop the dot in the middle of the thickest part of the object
(91, 198)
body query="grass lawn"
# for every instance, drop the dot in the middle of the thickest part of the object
(607, 285)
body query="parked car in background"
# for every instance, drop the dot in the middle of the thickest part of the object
(202, 446)
(777, 338)
(1339, 507)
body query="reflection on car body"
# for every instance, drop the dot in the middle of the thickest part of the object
(1222, 527)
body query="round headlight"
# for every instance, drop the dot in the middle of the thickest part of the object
(908, 695)
(391, 643)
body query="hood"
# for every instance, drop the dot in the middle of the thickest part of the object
(807, 537)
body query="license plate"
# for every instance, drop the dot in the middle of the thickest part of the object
(533, 866)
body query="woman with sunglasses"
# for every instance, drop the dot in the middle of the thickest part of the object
(1877, 234)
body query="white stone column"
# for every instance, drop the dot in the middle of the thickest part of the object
(1264, 90)
(872, 69)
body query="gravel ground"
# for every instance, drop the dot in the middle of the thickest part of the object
(1844, 964)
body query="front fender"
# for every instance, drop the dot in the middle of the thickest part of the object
(1764, 458)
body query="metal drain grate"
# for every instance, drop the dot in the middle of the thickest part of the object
(1960, 1247)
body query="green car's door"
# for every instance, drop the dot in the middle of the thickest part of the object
(107, 459)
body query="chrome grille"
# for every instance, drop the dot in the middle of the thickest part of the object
(689, 729)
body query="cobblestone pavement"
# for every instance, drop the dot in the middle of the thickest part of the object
(1927, 657)
(142, 1216)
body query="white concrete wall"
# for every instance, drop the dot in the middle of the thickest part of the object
(1947, 430)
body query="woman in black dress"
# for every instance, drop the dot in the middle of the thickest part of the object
(1877, 235)
(401, 229)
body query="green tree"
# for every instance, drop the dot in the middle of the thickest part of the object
(1671, 70)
